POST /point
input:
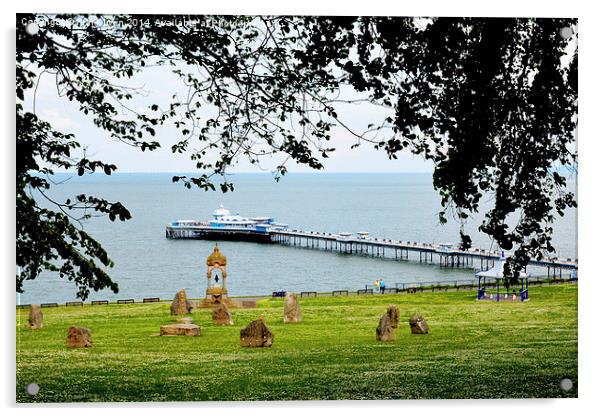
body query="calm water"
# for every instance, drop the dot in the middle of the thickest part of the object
(399, 206)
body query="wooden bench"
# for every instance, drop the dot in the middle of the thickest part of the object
(122, 301)
(49, 305)
(100, 302)
(390, 290)
(150, 300)
(27, 305)
(280, 294)
(309, 294)
(340, 293)
(74, 303)
(365, 292)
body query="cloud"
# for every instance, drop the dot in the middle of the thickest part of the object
(57, 120)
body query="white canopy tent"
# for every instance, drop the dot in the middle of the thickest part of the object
(497, 273)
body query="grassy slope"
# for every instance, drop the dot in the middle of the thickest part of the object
(474, 350)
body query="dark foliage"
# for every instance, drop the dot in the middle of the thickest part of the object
(491, 104)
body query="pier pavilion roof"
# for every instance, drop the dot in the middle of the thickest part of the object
(221, 211)
(216, 257)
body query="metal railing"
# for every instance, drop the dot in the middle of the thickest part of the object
(433, 286)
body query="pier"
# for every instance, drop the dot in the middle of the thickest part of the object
(445, 255)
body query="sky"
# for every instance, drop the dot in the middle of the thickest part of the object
(159, 85)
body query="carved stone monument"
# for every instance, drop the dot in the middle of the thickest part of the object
(217, 291)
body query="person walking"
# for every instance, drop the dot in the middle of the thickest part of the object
(382, 286)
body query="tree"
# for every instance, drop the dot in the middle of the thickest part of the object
(488, 100)
(492, 104)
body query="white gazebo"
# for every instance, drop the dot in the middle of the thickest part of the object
(497, 273)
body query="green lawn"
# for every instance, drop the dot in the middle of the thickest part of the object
(475, 350)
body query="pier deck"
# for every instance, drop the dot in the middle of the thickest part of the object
(370, 246)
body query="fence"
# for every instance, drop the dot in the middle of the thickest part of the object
(399, 288)
(309, 294)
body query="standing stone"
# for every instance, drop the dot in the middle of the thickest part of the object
(418, 324)
(393, 313)
(180, 305)
(292, 309)
(35, 317)
(384, 330)
(221, 315)
(78, 337)
(256, 334)
(185, 329)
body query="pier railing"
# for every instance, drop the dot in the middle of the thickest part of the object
(446, 256)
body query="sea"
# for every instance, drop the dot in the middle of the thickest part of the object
(400, 206)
